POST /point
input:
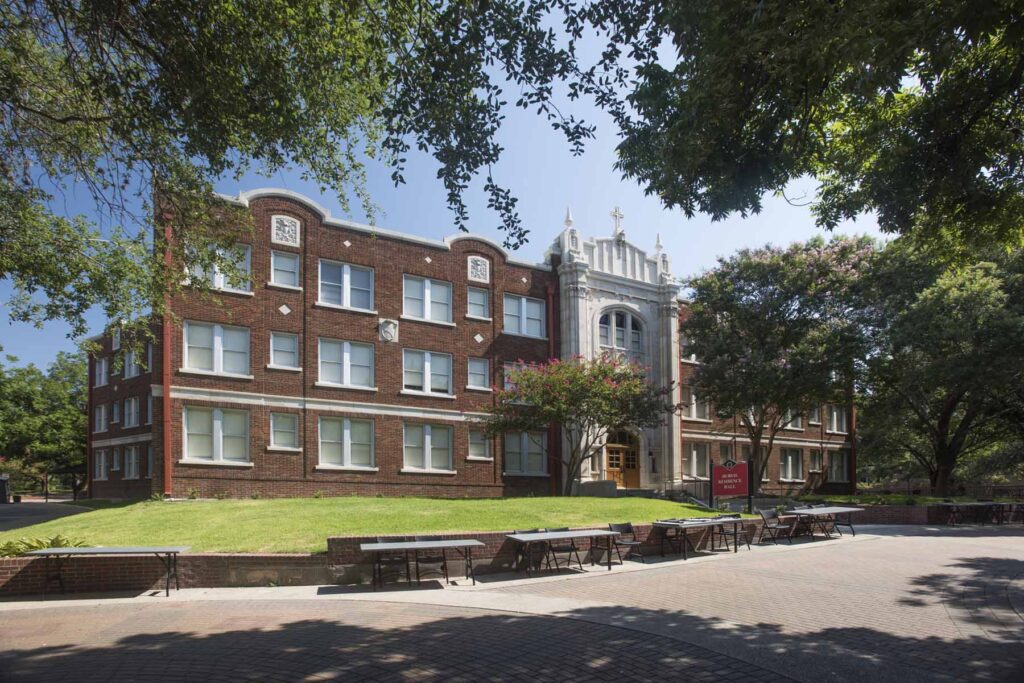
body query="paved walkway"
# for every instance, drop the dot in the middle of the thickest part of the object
(18, 515)
(897, 604)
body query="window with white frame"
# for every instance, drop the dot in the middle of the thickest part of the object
(427, 372)
(346, 442)
(115, 460)
(284, 269)
(149, 357)
(479, 373)
(346, 364)
(698, 462)
(101, 370)
(621, 331)
(814, 415)
(693, 407)
(345, 285)
(131, 462)
(427, 447)
(839, 466)
(507, 368)
(479, 445)
(115, 411)
(149, 408)
(100, 465)
(525, 316)
(791, 464)
(284, 350)
(115, 339)
(149, 461)
(478, 303)
(837, 419)
(427, 299)
(284, 431)
(685, 349)
(815, 461)
(216, 349)
(99, 418)
(131, 367)
(216, 435)
(131, 412)
(792, 419)
(725, 451)
(240, 258)
(526, 453)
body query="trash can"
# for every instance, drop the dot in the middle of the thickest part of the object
(4, 493)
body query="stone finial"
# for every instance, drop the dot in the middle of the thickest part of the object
(657, 243)
(568, 217)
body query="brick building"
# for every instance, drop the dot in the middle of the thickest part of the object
(357, 359)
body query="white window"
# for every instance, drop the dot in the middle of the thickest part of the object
(115, 411)
(149, 408)
(479, 373)
(216, 435)
(427, 372)
(284, 269)
(345, 285)
(427, 448)
(479, 445)
(525, 316)
(101, 370)
(241, 258)
(791, 464)
(149, 461)
(478, 303)
(816, 461)
(100, 465)
(839, 466)
(526, 453)
(284, 350)
(346, 364)
(427, 299)
(99, 419)
(115, 339)
(698, 463)
(115, 460)
(131, 412)
(814, 415)
(792, 419)
(620, 331)
(693, 407)
(149, 357)
(685, 349)
(131, 367)
(346, 443)
(284, 431)
(725, 451)
(131, 462)
(837, 419)
(217, 349)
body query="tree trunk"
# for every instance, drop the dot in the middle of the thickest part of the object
(942, 480)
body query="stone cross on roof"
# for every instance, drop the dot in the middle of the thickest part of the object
(617, 217)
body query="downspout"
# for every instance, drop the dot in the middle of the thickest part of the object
(165, 359)
(554, 443)
(90, 415)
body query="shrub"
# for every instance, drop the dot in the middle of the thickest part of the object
(24, 545)
(192, 492)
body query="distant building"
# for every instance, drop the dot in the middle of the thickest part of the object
(359, 357)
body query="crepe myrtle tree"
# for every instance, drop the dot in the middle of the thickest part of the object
(775, 332)
(587, 398)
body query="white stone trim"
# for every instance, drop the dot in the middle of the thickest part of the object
(742, 439)
(121, 440)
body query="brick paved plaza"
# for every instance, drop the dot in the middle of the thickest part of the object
(899, 603)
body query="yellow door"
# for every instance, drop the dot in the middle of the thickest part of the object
(615, 466)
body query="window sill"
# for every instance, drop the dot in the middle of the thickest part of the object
(287, 288)
(479, 318)
(352, 387)
(687, 477)
(792, 429)
(697, 419)
(413, 470)
(100, 386)
(130, 479)
(792, 481)
(442, 323)
(525, 336)
(283, 449)
(485, 390)
(235, 292)
(426, 394)
(526, 474)
(476, 458)
(214, 463)
(812, 471)
(814, 424)
(336, 307)
(99, 479)
(690, 361)
(271, 366)
(208, 373)
(344, 468)
(829, 431)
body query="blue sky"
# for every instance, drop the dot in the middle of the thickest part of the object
(539, 169)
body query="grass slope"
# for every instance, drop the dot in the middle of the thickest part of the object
(303, 524)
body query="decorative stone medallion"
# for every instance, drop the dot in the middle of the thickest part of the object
(479, 269)
(479, 338)
(284, 309)
(285, 230)
(388, 329)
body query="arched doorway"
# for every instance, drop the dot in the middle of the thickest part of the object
(622, 459)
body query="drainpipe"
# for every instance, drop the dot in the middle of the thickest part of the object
(554, 443)
(165, 359)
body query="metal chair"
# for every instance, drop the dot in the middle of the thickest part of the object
(772, 523)
(440, 560)
(566, 547)
(803, 524)
(632, 544)
(532, 548)
(397, 559)
(720, 533)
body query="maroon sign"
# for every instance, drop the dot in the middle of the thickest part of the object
(729, 479)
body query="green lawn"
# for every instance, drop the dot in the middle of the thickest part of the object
(303, 524)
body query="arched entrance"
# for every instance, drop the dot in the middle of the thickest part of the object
(622, 459)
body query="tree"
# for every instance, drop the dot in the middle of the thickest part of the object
(775, 334)
(43, 418)
(586, 398)
(946, 356)
(910, 111)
